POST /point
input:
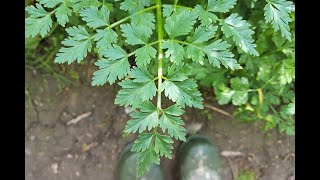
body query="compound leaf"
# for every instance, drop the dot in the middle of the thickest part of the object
(163, 145)
(79, 44)
(110, 71)
(135, 91)
(169, 121)
(181, 24)
(39, 21)
(135, 34)
(144, 55)
(79, 4)
(240, 31)
(115, 67)
(277, 12)
(146, 118)
(94, 17)
(220, 5)
(175, 51)
(183, 92)
(62, 14)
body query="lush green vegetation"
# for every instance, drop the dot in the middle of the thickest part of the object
(244, 50)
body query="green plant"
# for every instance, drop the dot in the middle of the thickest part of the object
(246, 175)
(264, 88)
(182, 35)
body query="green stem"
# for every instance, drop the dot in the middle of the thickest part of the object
(128, 17)
(150, 44)
(178, 6)
(160, 51)
(180, 42)
(185, 7)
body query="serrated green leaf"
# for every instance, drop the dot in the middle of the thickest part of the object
(174, 110)
(163, 145)
(136, 91)
(62, 14)
(79, 4)
(277, 12)
(79, 43)
(114, 52)
(203, 34)
(104, 39)
(206, 17)
(140, 75)
(144, 55)
(218, 53)
(135, 34)
(145, 159)
(145, 20)
(133, 93)
(78, 33)
(143, 142)
(220, 5)
(169, 121)
(195, 53)
(133, 6)
(94, 17)
(175, 51)
(145, 119)
(50, 3)
(183, 92)
(181, 24)
(39, 21)
(167, 10)
(110, 71)
(240, 31)
(177, 73)
(145, 149)
(240, 98)
(115, 67)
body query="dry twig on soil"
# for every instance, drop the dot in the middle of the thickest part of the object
(79, 118)
(217, 110)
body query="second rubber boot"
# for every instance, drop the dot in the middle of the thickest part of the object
(198, 159)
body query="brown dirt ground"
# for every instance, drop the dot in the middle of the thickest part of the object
(88, 150)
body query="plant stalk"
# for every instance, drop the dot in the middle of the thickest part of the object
(160, 51)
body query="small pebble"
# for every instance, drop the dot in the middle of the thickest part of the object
(128, 110)
(54, 167)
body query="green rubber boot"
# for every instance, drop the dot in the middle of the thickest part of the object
(198, 159)
(126, 169)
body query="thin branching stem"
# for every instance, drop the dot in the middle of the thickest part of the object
(128, 17)
(150, 44)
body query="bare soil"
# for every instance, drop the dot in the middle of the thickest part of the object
(88, 149)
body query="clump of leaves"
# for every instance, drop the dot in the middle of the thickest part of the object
(264, 88)
(172, 36)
